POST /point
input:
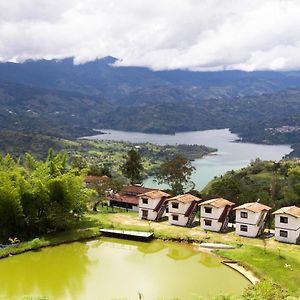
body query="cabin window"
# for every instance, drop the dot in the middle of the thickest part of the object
(175, 217)
(244, 215)
(145, 214)
(175, 205)
(207, 222)
(284, 220)
(283, 233)
(144, 200)
(208, 210)
(244, 228)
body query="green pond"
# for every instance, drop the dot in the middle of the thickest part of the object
(110, 268)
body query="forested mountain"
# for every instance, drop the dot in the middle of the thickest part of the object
(100, 77)
(59, 113)
(58, 98)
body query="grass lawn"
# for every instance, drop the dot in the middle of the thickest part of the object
(282, 267)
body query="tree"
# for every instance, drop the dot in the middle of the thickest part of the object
(176, 173)
(98, 170)
(292, 192)
(133, 168)
(102, 188)
(39, 197)
(264, 290)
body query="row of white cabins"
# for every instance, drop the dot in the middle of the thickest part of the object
(214, 214)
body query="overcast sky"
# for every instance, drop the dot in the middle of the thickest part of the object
(160, 34)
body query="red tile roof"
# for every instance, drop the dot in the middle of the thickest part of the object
(254, 207)
(136, 189)
(289, 210)
(125, 198)
(186, 198)
(155, 194)
(130, 194)
(218, 202)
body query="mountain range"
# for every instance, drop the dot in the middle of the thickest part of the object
(61, 99)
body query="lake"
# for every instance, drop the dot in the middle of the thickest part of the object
(231, 155)
(109, 268)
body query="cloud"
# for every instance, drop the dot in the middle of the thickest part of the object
(165, 34)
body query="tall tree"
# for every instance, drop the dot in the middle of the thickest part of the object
(133, 167)
(102, 188)
(39, 197)
(177, 174)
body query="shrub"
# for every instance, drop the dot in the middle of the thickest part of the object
(36, 244)
(265, 290)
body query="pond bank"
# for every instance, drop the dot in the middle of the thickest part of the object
(266, 259)
(49, 241)
(91, 233)
(242, 270)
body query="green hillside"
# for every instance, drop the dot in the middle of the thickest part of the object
(275, 184)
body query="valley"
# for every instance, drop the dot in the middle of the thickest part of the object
(56, 99)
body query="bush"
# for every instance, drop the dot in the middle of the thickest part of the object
(36, 244)
(265, 290)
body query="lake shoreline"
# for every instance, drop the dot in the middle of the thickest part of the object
(231, 155)
(238, 139)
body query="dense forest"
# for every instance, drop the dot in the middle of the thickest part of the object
(275, 184)
(39, 197)
(56, 99)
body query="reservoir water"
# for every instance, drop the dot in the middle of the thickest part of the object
(231, 155)
(118, 269)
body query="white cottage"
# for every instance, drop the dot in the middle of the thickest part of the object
(183, 209)
(215, 214)
(152, 205)
(251, 219)
(287, 224)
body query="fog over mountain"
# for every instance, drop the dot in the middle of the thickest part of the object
(205, 35)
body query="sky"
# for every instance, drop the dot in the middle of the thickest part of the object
(204, 35)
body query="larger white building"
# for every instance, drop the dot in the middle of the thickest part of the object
(183, 209)
(152, 205)
(215, 214)
(287, 224)
(251, 219)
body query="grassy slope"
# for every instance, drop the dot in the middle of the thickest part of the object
(259, 180)
(281, 266)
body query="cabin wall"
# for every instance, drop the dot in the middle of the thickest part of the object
(215, 225)
(151, 214)
(213, 216)
(182, 220)
(292, 229)
(123, 205)
(179, 212)
(252, 230)
(250, 222)
(215, 213)
(152, 203)
(252, 218)
(182, 207)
